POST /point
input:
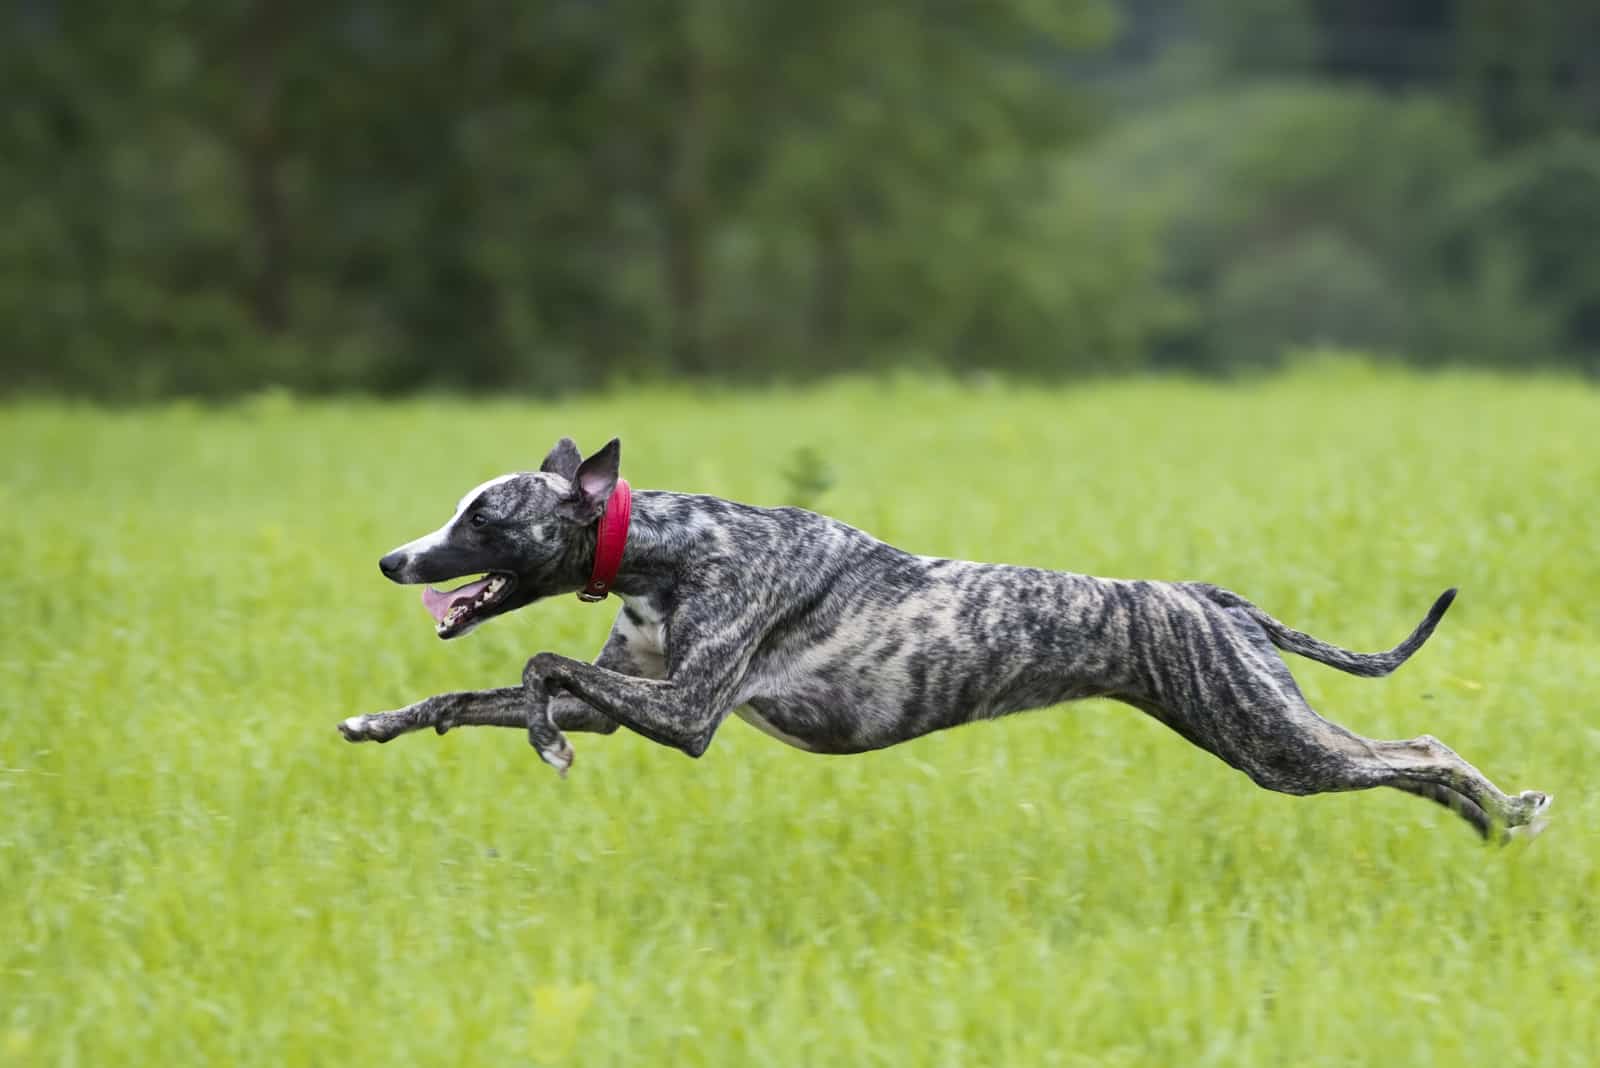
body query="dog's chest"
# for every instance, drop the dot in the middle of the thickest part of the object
(643, 625)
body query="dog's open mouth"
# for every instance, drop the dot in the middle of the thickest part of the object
(454, 611)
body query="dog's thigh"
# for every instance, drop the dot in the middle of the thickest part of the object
(1224, 687)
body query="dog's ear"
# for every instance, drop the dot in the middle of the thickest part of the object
(563, 459)
(592, 484)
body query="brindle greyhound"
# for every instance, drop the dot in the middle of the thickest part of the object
(835, 642)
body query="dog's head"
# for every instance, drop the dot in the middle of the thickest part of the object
(521, 534)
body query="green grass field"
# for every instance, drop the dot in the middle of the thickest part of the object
(194, 868)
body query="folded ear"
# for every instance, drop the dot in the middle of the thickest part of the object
(592, 484)
(563, 459)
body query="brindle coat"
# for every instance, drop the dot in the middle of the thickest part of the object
(834, 642)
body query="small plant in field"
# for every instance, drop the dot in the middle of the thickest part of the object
(807, 477)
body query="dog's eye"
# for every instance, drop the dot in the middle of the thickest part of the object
(479, 519)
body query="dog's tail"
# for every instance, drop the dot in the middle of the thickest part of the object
(1371, 665)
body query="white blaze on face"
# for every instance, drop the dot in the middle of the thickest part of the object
(434, 540)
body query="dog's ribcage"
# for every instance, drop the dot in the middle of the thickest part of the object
(864, 645)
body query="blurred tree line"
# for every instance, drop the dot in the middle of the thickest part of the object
(203, 198)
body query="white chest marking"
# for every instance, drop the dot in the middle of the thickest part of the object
(650, 634)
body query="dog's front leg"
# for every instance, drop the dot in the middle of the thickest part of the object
(547, 710)
(571, 713)
(682, 710)
(543, 734)
(502, 707)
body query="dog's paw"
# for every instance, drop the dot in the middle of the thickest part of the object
(1531, 806)
(363, 729)
(354, 729)
(1529, 818)
(558, 756)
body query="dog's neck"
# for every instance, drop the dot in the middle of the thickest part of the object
(658, 542)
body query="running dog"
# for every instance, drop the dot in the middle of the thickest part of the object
(835, 642)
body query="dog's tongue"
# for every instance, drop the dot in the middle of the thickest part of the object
(438, 603)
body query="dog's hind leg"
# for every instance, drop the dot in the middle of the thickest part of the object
(1450, 799)
(1226, 690)
(1415, 764)
(1306, 754)
(1290, 749)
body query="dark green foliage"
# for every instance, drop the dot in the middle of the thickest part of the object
(204, 199)
(1301, 216)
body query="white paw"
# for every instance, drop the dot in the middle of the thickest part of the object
(559, 758)
(354, 729)
(1538, 802)
(1535, 822)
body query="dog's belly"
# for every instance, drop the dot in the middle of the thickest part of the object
(857, 707)
(762, 723)
(812, 726)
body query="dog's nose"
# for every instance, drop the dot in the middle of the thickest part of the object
(390, 565)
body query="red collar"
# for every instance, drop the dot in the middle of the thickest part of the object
(611, 537)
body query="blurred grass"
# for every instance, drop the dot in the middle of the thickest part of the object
(195, 869)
